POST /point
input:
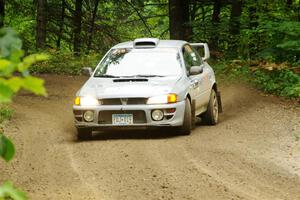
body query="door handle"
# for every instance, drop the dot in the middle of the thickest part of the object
(195, 83)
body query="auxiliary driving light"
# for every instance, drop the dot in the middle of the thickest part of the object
(157, 115)
(88, 116)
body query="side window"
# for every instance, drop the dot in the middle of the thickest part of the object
(198, 59)
(187, 57)
(191, 57)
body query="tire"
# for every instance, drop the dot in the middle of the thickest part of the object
(211, 116)
(84, 133)
(187, 125)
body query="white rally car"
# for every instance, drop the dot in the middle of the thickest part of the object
(148, 83)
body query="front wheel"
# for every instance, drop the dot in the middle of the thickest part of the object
(187, 125)
(211, 116)
(84, 133)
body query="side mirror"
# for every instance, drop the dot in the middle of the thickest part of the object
(205, 48)
(87, 71)
(195, 70)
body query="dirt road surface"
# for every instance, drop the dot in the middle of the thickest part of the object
(251, 154)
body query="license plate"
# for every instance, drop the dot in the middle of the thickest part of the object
(122, 119)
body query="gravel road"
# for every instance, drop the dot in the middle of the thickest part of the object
(251, 154)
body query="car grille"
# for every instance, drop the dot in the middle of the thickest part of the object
(105, 116)
(118, 101)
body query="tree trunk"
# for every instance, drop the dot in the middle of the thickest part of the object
(298, 11)
(289, 3)
(236, 12)
(187, 28)
(217, 11)
(2, 12)
(252, 15)
(214, 43)
(234, 26)
(77, 27)
(92, 25)
(41, 23)
(62, 23)
(179, 26)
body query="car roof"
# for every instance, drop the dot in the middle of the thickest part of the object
(160, 44)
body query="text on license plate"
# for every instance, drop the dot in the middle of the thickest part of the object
(122, 119)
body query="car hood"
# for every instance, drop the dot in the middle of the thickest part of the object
(133, 87)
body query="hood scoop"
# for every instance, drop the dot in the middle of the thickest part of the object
(131, 80)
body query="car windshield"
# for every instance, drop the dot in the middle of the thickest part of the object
(140, 62)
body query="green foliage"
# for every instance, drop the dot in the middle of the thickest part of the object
(282, 41)
(115, 21)
(8, 191)
(267, 29)
(66, 63)
(7, 149)
(9, 42)
(281, 82)
(6, 93)
(14, 76)
(12, 61)
(23, 22)
(231, 71)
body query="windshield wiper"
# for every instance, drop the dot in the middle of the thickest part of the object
(146, 75)
(106, 76)
(132, 76)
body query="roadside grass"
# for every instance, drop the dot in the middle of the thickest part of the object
(229, 72)
(278, 79)
(5, 113)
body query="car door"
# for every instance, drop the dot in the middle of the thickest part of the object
(197, 82)
(208, 74)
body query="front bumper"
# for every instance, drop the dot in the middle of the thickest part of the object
(139, 111)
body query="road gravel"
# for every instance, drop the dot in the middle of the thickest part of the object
(251, 154)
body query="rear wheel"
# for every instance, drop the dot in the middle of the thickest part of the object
(211, 116)
(187, 125)
(84, 133)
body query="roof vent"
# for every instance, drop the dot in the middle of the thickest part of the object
(143, 43)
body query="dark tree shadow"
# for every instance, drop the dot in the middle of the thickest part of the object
(160, 133)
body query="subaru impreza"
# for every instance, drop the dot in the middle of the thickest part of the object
(148, 83)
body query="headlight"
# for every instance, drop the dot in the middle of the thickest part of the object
(88, 116)
(86, 101)
(163, 99)
(157, 115)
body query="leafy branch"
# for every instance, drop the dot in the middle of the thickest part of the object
(14, 76)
